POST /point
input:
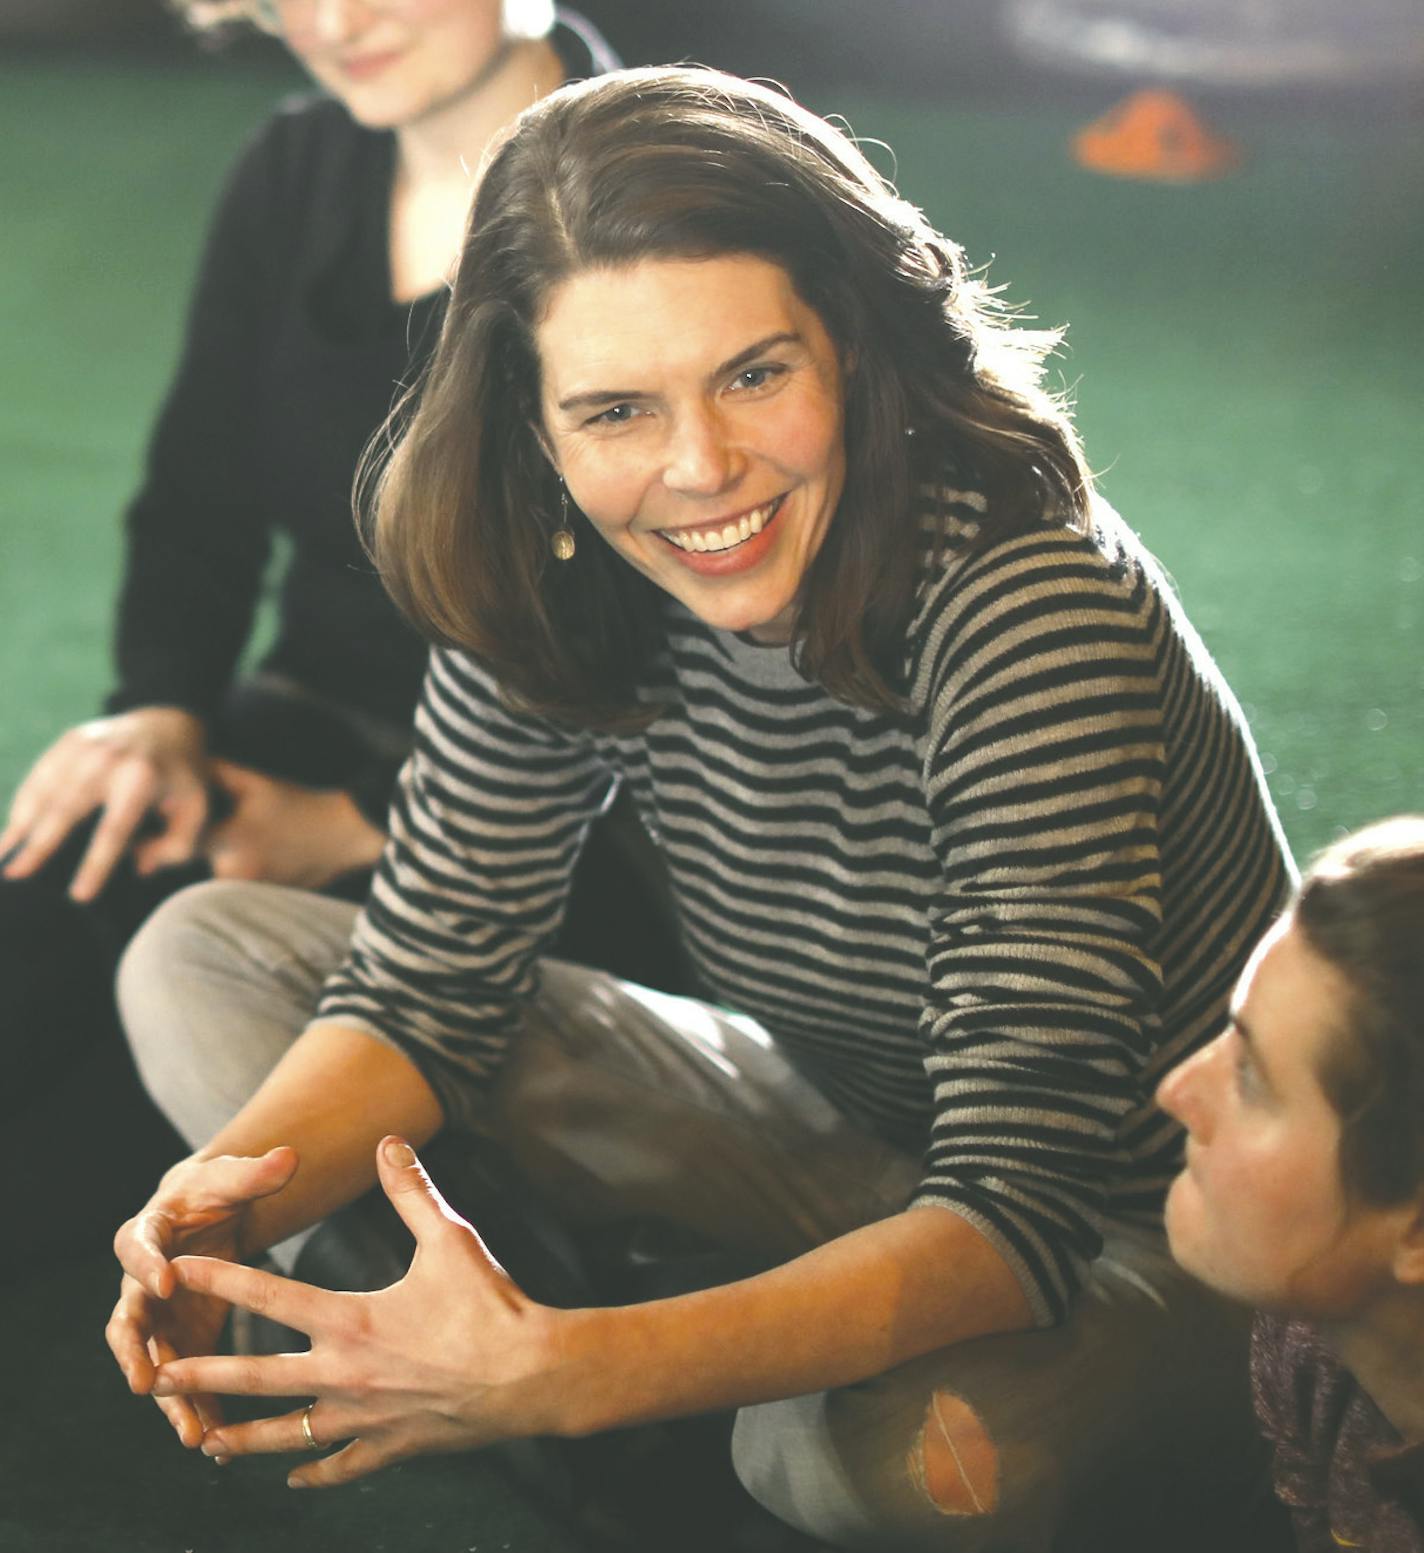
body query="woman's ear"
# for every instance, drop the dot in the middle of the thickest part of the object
(1409, 1249)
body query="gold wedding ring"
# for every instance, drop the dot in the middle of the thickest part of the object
(307, 1428)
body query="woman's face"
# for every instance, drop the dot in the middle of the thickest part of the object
(695, 411)
(1259, 1212)
(392, 62)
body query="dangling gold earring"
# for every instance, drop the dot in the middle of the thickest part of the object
(561, 542)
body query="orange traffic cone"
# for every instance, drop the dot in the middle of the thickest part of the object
(1157, 135)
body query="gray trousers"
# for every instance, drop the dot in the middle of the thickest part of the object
(1126, 1426)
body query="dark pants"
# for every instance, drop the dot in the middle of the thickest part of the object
(82, 1143)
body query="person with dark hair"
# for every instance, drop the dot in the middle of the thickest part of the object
(1303, 1192)
(320, 294)
(731, 487)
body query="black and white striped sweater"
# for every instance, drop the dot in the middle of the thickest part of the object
(984, 929)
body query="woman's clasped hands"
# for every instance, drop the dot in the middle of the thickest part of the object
(201, 1206)
(450, 1358)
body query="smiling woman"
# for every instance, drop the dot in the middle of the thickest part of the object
(960, 819)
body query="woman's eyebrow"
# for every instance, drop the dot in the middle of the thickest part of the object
(605, 396)
(598, 396)
(783, 337)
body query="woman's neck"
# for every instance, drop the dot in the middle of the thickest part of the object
(447, 143)
(438, 157)
(1384, 1351)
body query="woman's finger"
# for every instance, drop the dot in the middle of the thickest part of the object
(204, 1407)
(141, 1246)
(281, 1435)
(414, 1195)
(179, 1411)
(357, 1460)
(46, 834)
(236, 779)
(127, 1336)
(185, 813)
(210, 1413)
(207, 1192)
(236, 1375)
(216, 1185)
(229, 860)
(130, 796)
(283, 1300)
(34, 795)
(67, 784)
(181, 1416)
(17, 822)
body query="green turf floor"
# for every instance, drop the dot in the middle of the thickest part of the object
(1244, 356)
(1244, 362)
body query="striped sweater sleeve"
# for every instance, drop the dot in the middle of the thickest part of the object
(1043, 770)
(489, 817)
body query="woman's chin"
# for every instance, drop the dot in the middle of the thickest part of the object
(1182, 1226)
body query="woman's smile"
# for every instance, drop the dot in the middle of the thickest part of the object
(362, 67)
(725, 542)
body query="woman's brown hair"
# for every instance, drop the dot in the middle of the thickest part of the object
(1361, 908)
(687, 163)
(219, 18)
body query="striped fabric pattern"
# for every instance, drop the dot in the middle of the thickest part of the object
(984, 927)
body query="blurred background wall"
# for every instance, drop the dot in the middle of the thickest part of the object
(918, 44)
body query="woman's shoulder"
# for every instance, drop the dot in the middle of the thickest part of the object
(465, 703)
(1046, 570)
(304, 175)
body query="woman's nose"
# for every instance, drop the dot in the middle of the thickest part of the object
(700, 457)
(332, 21)
(1186, 1092)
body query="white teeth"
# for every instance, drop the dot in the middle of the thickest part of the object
(733, 534)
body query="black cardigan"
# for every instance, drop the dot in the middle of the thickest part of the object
(293, 356)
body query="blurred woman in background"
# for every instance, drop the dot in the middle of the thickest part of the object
(319, 297)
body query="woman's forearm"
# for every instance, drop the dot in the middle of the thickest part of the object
(333, 1096)
(852, 1308)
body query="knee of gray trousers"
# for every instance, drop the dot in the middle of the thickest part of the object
(1127, 1426)
(215, 987)
(783, 1456)
(791, 1458)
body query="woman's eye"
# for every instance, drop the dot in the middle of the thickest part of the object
(615, 415)
(756, 377)
(1247, 1081)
